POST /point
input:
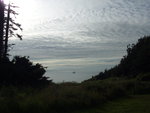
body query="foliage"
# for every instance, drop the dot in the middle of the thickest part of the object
(134, 104)
(21, 71)
(8, 27)
(2, 8)
(63, 98)
(144, 77)
(135, 62)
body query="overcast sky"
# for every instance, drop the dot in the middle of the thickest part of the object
(85, 36)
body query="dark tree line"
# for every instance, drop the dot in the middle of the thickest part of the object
(19, 71)
(8, 26)
(22, 72)
(136, 61)
(2, 8)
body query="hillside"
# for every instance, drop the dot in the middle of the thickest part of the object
(136, 61)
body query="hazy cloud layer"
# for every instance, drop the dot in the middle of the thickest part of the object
(69, 35)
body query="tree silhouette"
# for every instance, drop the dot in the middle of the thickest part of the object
(22, 72)
(2, 20)
(19, 71)
(136, 61)
(8, 26)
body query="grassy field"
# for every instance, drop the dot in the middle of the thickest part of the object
(134, 104)
(71, 97)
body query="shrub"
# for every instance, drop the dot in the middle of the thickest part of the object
(22, 72)
(144, 77)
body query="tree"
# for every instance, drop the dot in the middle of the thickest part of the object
(136, 61)
(8, 26)
(2, 8)
(20, 70)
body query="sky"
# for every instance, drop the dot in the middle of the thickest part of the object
(82, 36)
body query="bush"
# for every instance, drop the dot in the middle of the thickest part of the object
(22, 72)
(68, 97)
(144, 77)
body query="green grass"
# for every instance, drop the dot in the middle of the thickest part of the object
(134, 104)
(70, 97)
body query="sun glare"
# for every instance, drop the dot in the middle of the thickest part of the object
(26, 10)
(26, 7)
(23, 4)
(15, 1)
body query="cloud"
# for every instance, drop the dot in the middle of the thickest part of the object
(79, 62)
(88, 21)
(72, 33)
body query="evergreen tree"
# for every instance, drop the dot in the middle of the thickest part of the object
(8, 26)
(2, 8)
(136, 61)
(20, 71)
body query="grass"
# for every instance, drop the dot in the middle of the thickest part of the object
(69, 97)
(134, 104)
